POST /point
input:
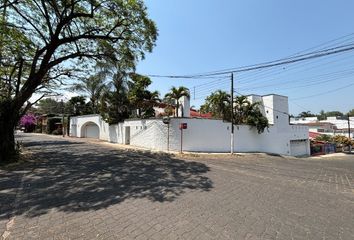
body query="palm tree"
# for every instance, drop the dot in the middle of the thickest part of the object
(142, 99)
(218, 103)
(94, 87)
(175, 94)
(151, 99)
(249, 113)
(241, 109)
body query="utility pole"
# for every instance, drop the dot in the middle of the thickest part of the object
(350, 146)
(62, 118)
(232, 113)
(181, 150)
(168, 137)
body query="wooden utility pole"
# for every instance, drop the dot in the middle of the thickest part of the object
(232, 113)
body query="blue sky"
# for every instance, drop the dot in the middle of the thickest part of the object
(204, 35)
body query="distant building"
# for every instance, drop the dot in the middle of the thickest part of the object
(330, 126)
(341, 124)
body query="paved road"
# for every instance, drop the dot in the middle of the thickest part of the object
(77, 190)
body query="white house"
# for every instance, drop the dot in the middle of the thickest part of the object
(203, 135)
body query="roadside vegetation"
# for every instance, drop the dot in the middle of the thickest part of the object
(322, 115)
(244, 112)
(339, 140)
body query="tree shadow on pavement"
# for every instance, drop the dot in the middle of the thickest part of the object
(80, 177)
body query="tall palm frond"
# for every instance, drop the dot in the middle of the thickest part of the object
(176, 93)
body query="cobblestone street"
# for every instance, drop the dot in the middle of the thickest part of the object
(72, 189)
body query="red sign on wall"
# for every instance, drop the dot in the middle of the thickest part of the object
(183, 126)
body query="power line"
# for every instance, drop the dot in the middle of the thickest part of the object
(329, 78)
(298, 105)
(211, 84)
(323, 93)
(203, 91)
(303, 57)
(317, 79)
(217, 80)
(271, 72)
(208, 86)
(323, 44)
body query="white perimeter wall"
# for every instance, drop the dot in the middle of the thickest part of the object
(214, 136)
(202, 135)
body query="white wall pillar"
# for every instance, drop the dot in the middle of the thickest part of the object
(184, 109)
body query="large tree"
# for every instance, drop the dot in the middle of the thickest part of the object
(76, 106)
(40, 36)
(49, 106)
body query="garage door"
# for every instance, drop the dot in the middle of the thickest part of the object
(92, 131)
(298, 147)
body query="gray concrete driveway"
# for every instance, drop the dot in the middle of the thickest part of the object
(73, 189)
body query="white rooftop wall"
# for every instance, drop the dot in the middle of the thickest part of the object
(184, 110)
(274, 107)
(303, 120)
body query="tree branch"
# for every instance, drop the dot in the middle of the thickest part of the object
(29, 22)
(18, 83)
(8, 4)
(71, 56)
(47, 18)
(29, 105)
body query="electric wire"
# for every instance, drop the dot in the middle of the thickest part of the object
(303, 57)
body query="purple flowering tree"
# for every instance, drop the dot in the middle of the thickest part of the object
(29, 122)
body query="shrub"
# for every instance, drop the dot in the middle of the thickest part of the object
(51, 124)
(57, 131)
(324, 137)
(29, 122)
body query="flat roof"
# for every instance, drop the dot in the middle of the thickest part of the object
(270, 94)
(274, 94)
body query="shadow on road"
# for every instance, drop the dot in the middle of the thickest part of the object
(71, 176)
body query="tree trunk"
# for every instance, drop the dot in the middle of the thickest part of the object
(8, 120)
